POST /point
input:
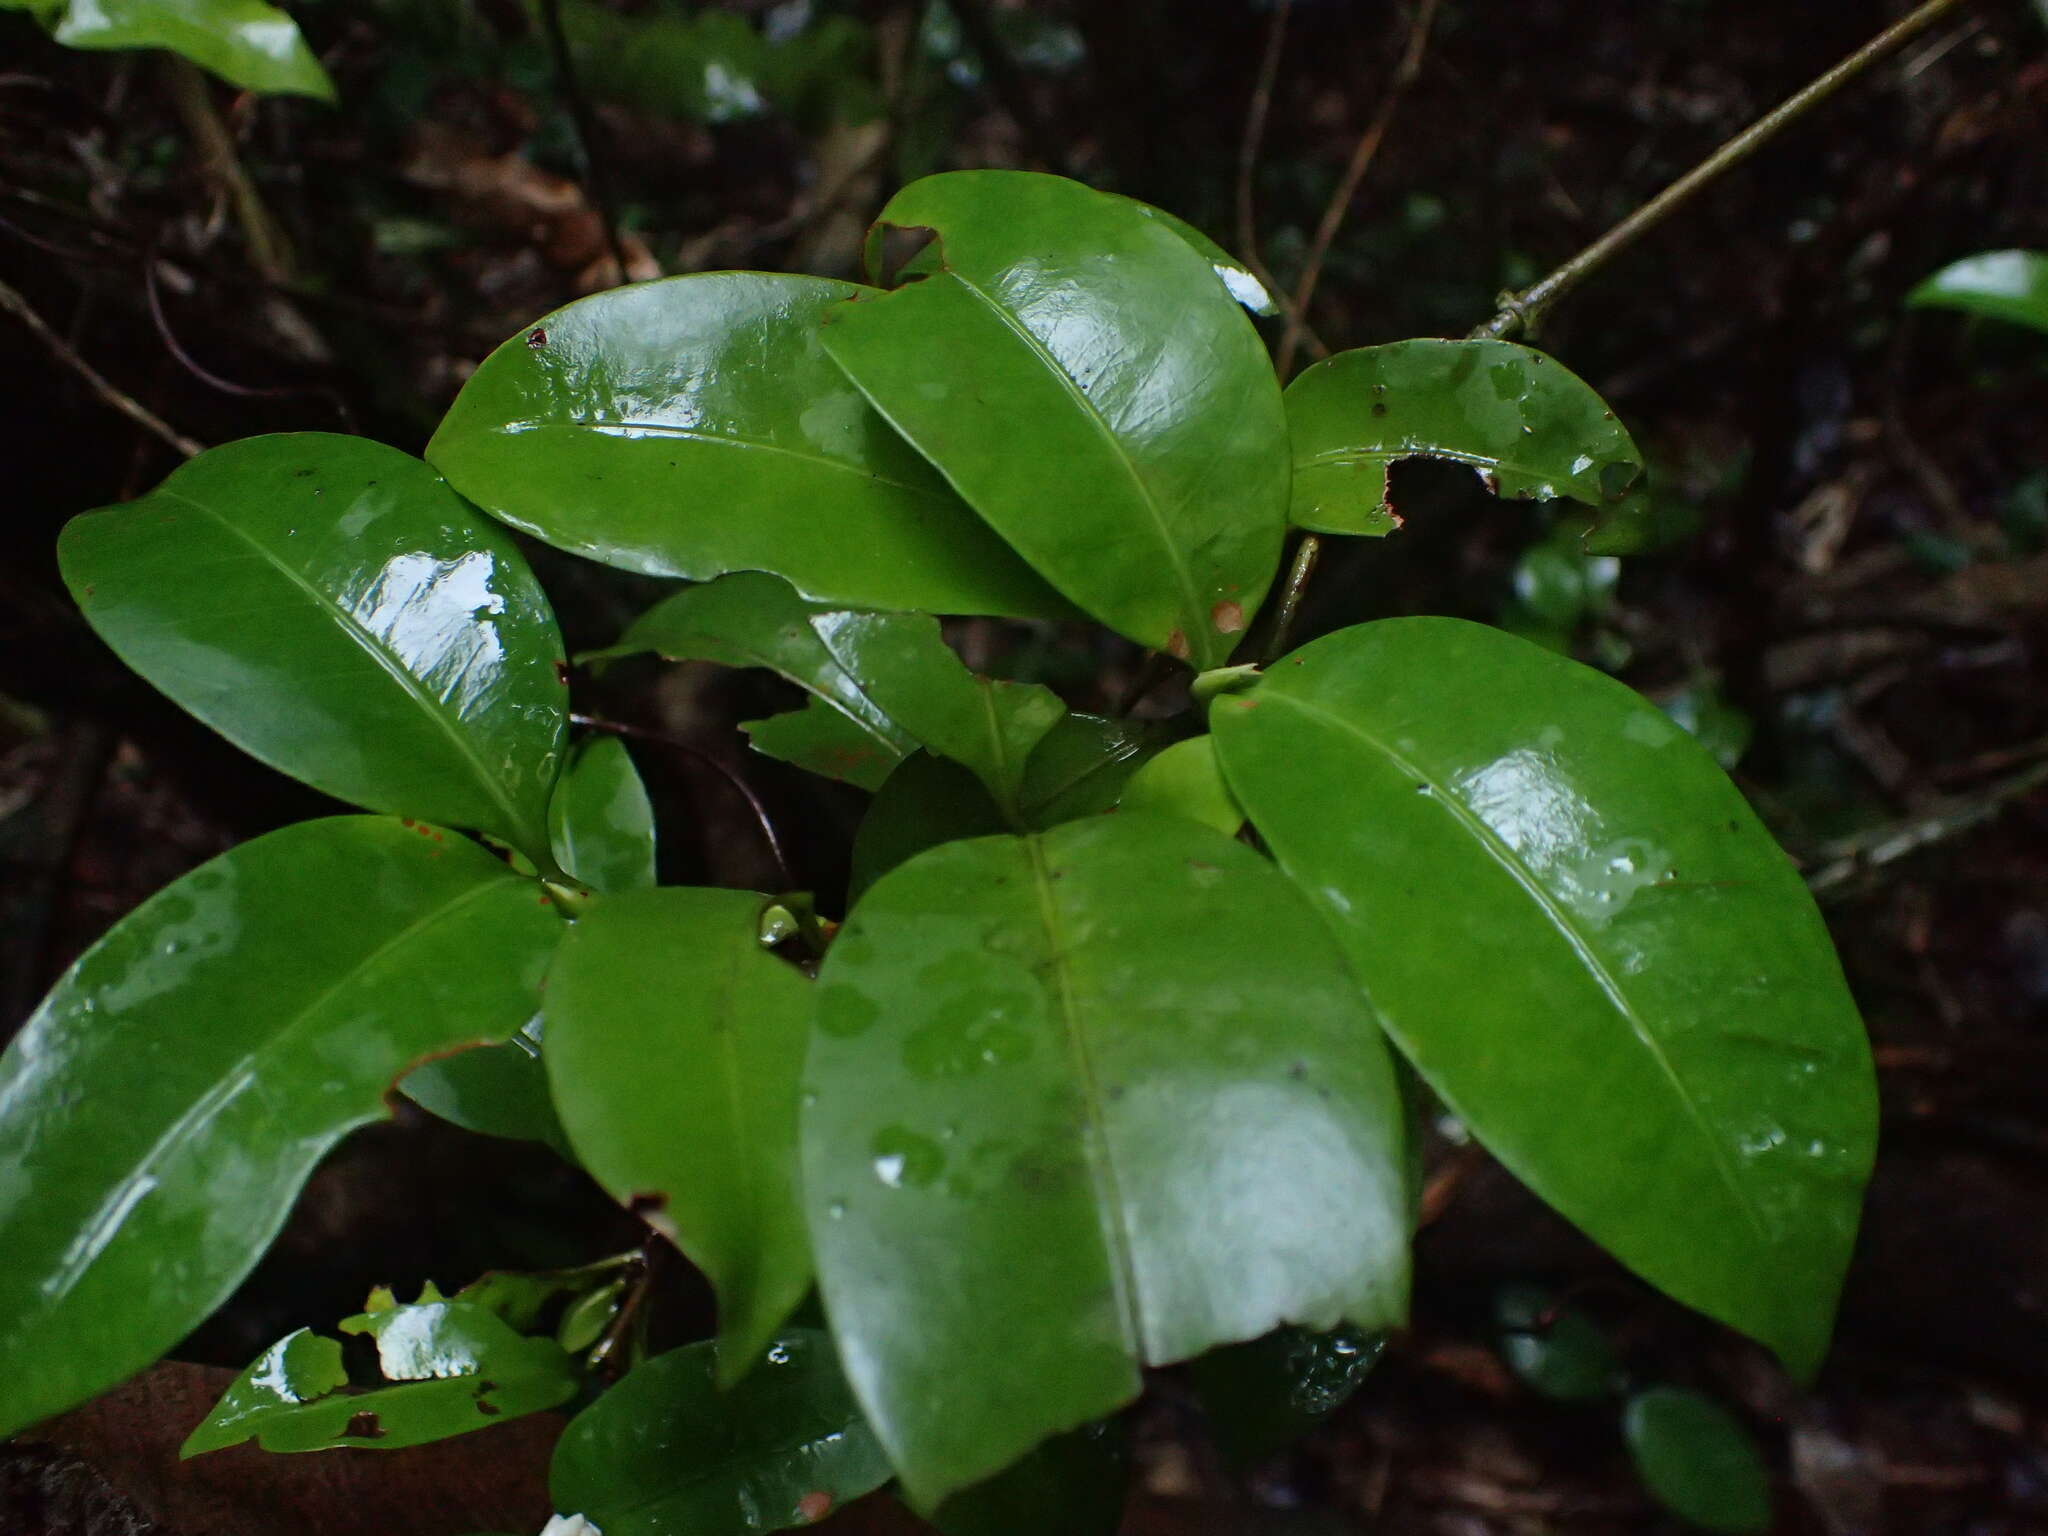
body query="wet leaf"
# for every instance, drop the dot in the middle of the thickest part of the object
(1526, 423)
(1105, 1095)
(329, 606)
(1082, 765)
(667, 1453)
(1999, 285)
(674, 1043)
(1555, 1349)
(693, 426)
(452, 1368)
(1075, 370)
(1238, 279)
(890, 676)
(1560, 907)
(247, 43)
(1698, 1460)
(1262, 1396)
(494, 1090)
(1074, 1484)
(925, 802)
(600, 821)
(1185, 780)
(166, 1101)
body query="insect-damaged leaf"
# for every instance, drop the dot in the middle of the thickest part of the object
(166, 1101)
(1073, 367)
(1527, 424)
(693, 426)
(667, 1453)
(330, 606)
(891, 678)
(1585, 940)
(247, 43)
(1081, 1101)
(674, 1044)
(452, 1367)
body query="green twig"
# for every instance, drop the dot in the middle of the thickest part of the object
(1519, 311)
(1305, 555)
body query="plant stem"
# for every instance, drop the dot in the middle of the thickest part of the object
(1305, 556)
(270, 252)
(1519, 311)
(587, 133)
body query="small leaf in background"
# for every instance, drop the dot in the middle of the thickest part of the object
(1526, 423)
(451, 1367)
(1998, 285)
(1698, 1460)
(1082, 766)
(1262, 1396)
(667, 1453)
(1074, 1484)
(694, 426)
(331, 607)
(1076, 1102)
(494, 1090)
(1555, 1349)
(674, 1044)
(1185, 780)
(926, 802)
(1557, 588)
(1717, 725)
(247, 43)
(820, 739)
(600, 821)
(164, 1104)
(1589, 946)
(1074, 369)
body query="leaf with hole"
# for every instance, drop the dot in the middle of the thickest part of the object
(666, 1452)
(1529, 426)
(1560, 905)
(693, 426)
(1074, 369)
(1082, 1101)
(331, 607)
(674, 1044)
(164, 1104)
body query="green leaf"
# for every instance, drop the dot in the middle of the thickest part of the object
(1262, 1396)
(329, 606)
(1555, 1349)
(160, 1110)
(600, 821)
(1073, 368)
(1073, 1484)
(245, 42)
(693, 426)
(1081, 1101)
(674, 1044)
(1082, 765)
(1999, 285)
(1526, 423)
(890, 676)
(1238, 279)
(455, 1368)
(667, 1453)
(1587, 943)
(1698, 1460)
(1185, 780)
(494, 1090)
(925, 802)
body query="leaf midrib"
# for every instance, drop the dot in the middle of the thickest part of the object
(1567, 928)
(370, 645)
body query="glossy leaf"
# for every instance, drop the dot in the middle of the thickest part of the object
(1698, 1460)
(890, 676)
(692, 426)
(1262, 1396)
(1074, 1484)
(160, 1110)
(494, 1090)
(600, 820)
(1555, 1349)
(453, 1368)
(1076, 1102)
(1082, 766)
(1073, 368)
(247, 43)
(674, 1044)
(1185, 780)
(1527, 424)
(667, 1453)
(1999, 285)
(1588, 944)
(328, 605)
(926, 802)
(1238, 279)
